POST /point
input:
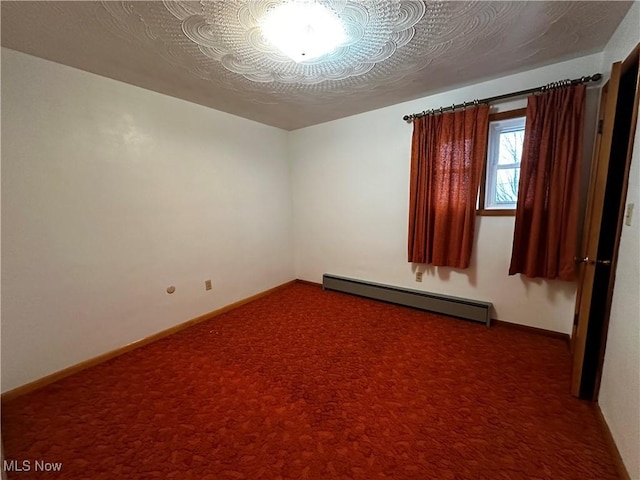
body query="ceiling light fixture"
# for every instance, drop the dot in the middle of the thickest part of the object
(303, 30)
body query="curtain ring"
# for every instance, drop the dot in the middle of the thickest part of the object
(453, 107)
(440, 109)
(476, 102)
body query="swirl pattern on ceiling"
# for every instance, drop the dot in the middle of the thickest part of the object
(382, 42)
(375, 31)
(211, 53)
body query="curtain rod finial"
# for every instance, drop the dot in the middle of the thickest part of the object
(596, 77)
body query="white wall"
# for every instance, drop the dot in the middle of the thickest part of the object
(351, 195)
(620, 387)
(111, 193)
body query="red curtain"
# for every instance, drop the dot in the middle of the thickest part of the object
(447, 156)
(546, 228)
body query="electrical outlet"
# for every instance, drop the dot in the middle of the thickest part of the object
(418, 276)
(628, 218)
(207, 284)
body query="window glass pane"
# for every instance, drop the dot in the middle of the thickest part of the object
(510, 147)
(504, 152)
(507, 185)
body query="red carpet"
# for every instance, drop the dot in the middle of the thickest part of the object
(306, 384)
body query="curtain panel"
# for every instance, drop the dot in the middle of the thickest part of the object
(546, 225)
(447, 157)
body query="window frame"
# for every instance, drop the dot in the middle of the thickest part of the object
(495, 212)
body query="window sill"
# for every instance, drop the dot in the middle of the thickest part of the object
(510, 212)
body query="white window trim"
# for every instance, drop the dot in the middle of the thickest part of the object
(493, 148)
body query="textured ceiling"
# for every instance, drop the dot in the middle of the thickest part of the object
(212, 52)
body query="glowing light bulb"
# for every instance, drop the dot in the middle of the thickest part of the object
(303, 30)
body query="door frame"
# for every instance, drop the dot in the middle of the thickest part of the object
(591, 235)
(634, 56)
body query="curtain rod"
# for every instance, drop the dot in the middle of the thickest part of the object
(596, 77)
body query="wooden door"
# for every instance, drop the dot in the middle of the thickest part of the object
(603, 224)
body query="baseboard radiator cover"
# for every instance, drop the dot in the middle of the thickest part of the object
(465, 308)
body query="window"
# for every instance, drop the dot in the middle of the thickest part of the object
(504, 151)
(499, 189)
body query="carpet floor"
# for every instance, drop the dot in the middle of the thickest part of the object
(306, 384)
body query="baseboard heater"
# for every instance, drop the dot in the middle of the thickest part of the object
(443, 304)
